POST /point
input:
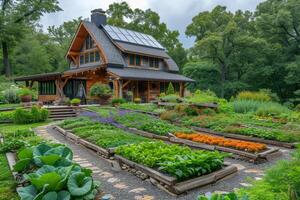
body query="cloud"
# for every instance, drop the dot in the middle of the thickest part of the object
(177, 14)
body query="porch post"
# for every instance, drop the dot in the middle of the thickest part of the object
(116, 88)
(181, 89)
(120, 88)
(148, 91)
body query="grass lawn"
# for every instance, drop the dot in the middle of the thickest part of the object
(3, 106)
(8, 129)
(7, 183)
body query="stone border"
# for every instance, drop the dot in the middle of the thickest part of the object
(106, 153)
(171, 184)
(243, 137)
(255, 158)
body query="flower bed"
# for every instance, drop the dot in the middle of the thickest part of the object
(175, 166)
(220, 141)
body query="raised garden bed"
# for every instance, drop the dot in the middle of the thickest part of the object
(263, 156)
(147, 134)
(171, 184)
(107, 153)
(248, 138)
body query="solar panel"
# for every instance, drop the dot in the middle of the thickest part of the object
(134, 37)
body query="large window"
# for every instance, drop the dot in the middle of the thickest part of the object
(136, 60)
(47, 88)
(89, 57)
(89, 43)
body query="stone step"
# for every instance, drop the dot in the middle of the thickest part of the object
(62, 113)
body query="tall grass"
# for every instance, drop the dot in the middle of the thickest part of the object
(261, 108)
(245, 106)
(255, 96)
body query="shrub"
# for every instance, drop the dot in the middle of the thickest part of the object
(208, 111)
(297, 108)
(170, 89)
(203, 97)
(180, 108)
(162, 94)
(100, 90)
(271, 109)
(23, 116)
(244, 106)
(173, 98)
(75, 101)
(7, 116)
(170, 115)
(24, 92)
(10, 95)
(191, 111)
(118, 101)
(137, 100)
(129, 95)
(255, 96)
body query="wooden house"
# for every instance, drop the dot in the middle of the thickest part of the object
(124, 59)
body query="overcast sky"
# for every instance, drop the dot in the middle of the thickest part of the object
(177, 14)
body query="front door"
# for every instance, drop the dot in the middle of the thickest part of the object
(75, 88)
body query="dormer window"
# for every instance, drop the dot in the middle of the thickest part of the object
(154, 62)
(134, 60)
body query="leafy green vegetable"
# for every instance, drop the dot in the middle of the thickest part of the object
(180, 162)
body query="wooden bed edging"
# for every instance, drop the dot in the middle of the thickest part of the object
(107, 153)
(252, 157)
(171, 183)
(248, 138)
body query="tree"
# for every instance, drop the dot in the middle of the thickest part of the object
(120, 14)
(15, 16)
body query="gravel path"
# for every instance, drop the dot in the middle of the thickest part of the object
(122, 185)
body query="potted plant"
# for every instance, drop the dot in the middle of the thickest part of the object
(25, 95)
(101, 91)
(117, 101)
(75, 102)
(137, 100)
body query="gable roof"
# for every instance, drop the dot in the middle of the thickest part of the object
(112, 53)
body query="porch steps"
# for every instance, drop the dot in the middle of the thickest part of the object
(61, 112)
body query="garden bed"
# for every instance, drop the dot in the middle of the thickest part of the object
(171, 183)
(263, 156)
(107, 153)
(248, 138)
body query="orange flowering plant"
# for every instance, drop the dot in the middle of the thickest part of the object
(221, 141)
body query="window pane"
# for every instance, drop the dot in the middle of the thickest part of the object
(97, 56)
(138, 60)
(151, 62)
(156, 63)
(92, 57)
(81, 59)
(131, 59)
(86, 58)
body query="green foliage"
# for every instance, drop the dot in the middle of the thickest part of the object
(23, 116)
(7, 183)
(52, 174)
(7, 116)
(11, 145)
(149, 124)
(149, 107)
(272, 109)
(226, 196)
(118, 101)
(207, 96)
(170, 115)
(255, 96)
(245, 106)
(24, 92)
(75, 101)
(208, 111)
(180, 162)
(281, 181)
(104, 135)
(170, 89)
(10, 95)
(100, 90)
(172, 98)
(191, 111)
